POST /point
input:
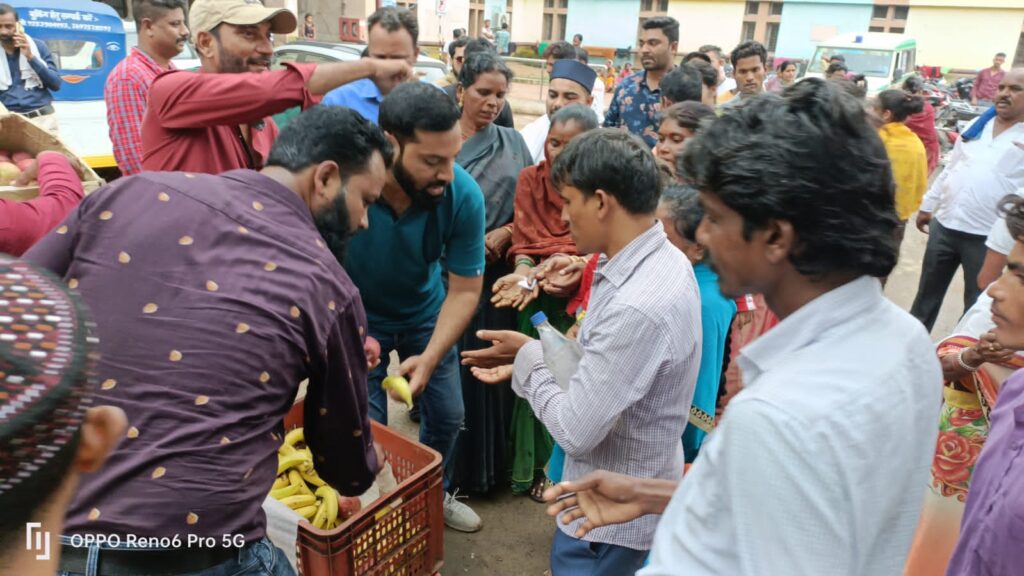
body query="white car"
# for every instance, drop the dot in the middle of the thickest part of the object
(427, 69)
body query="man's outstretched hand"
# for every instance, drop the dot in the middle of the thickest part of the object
(603, 498)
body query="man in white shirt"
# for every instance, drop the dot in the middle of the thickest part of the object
(819, 464)
(568, 85)
(961, 206)
(725, 84)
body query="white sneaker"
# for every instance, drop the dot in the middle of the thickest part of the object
(458, 516)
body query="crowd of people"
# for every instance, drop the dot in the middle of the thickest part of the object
(720, 263)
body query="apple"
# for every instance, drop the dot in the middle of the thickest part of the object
(26, 164)
(19, 156)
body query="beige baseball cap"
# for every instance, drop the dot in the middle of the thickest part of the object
(205, 15)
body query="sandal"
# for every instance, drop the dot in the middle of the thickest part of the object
(540, 484)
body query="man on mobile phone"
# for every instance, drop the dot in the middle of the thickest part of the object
(28, 74)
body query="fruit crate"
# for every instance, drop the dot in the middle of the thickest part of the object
(401, 534)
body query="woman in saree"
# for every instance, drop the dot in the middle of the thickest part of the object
(539, 234)
(494, 156)
(974, 366)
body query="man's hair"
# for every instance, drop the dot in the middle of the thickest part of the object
(504, 25)
(457, 33)
(8, 9)
(900, 103)
(308, 15)
(394, 19)
(457, 43)
(578, 37)
(578, 113)
(478, 45)
(690, 56)
(612, 160)
(836, 67)
(748, 49)
(413, 106)
(683, 203)
(582, 55)
(1011, 207)
(708, 73)
(708, 48)
(480, 63)
(998, 54)
(683, 83)
(690, 114)
(839, 57)
(155, 9)
(329, 133)
(560, 50)
(668, 25)
(764, 160)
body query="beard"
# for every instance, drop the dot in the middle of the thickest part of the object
(420, 197)
(335, 227)
(231, 64)
(6, 39)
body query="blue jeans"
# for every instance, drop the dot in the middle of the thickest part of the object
(573, 557)
(441, 408)
(259, 558)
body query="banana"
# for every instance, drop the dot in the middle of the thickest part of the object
(280, 482)
(320, 519)
(400, 386)
(294, 437)
(307, 512)
(330, 500)
(286, 450)
(296, 479)
(290, 461)
(289, 490)
(312, 477)
(299, 501)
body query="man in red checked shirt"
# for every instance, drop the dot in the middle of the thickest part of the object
(162, 35)
(219, 119)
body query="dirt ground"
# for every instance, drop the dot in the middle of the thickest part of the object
(516, 537)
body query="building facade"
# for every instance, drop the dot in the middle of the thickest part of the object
(961, 34)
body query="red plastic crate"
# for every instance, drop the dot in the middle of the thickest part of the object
(406, 541)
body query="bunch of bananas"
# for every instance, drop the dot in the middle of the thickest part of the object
(300, 487)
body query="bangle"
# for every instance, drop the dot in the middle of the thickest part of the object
(525, 262)
(508, 227)
(965, 365)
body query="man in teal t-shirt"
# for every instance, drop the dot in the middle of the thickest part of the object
(429, 209)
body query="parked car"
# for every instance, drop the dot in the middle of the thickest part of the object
(427, 69)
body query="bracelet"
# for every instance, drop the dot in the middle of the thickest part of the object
(509, 228)
(965, 365)
(525, 262)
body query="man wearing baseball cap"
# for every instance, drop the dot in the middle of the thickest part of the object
(219, 119)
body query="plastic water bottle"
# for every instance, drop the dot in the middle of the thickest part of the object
(561, 354)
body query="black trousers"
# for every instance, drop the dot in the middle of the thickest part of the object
(947, 250)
